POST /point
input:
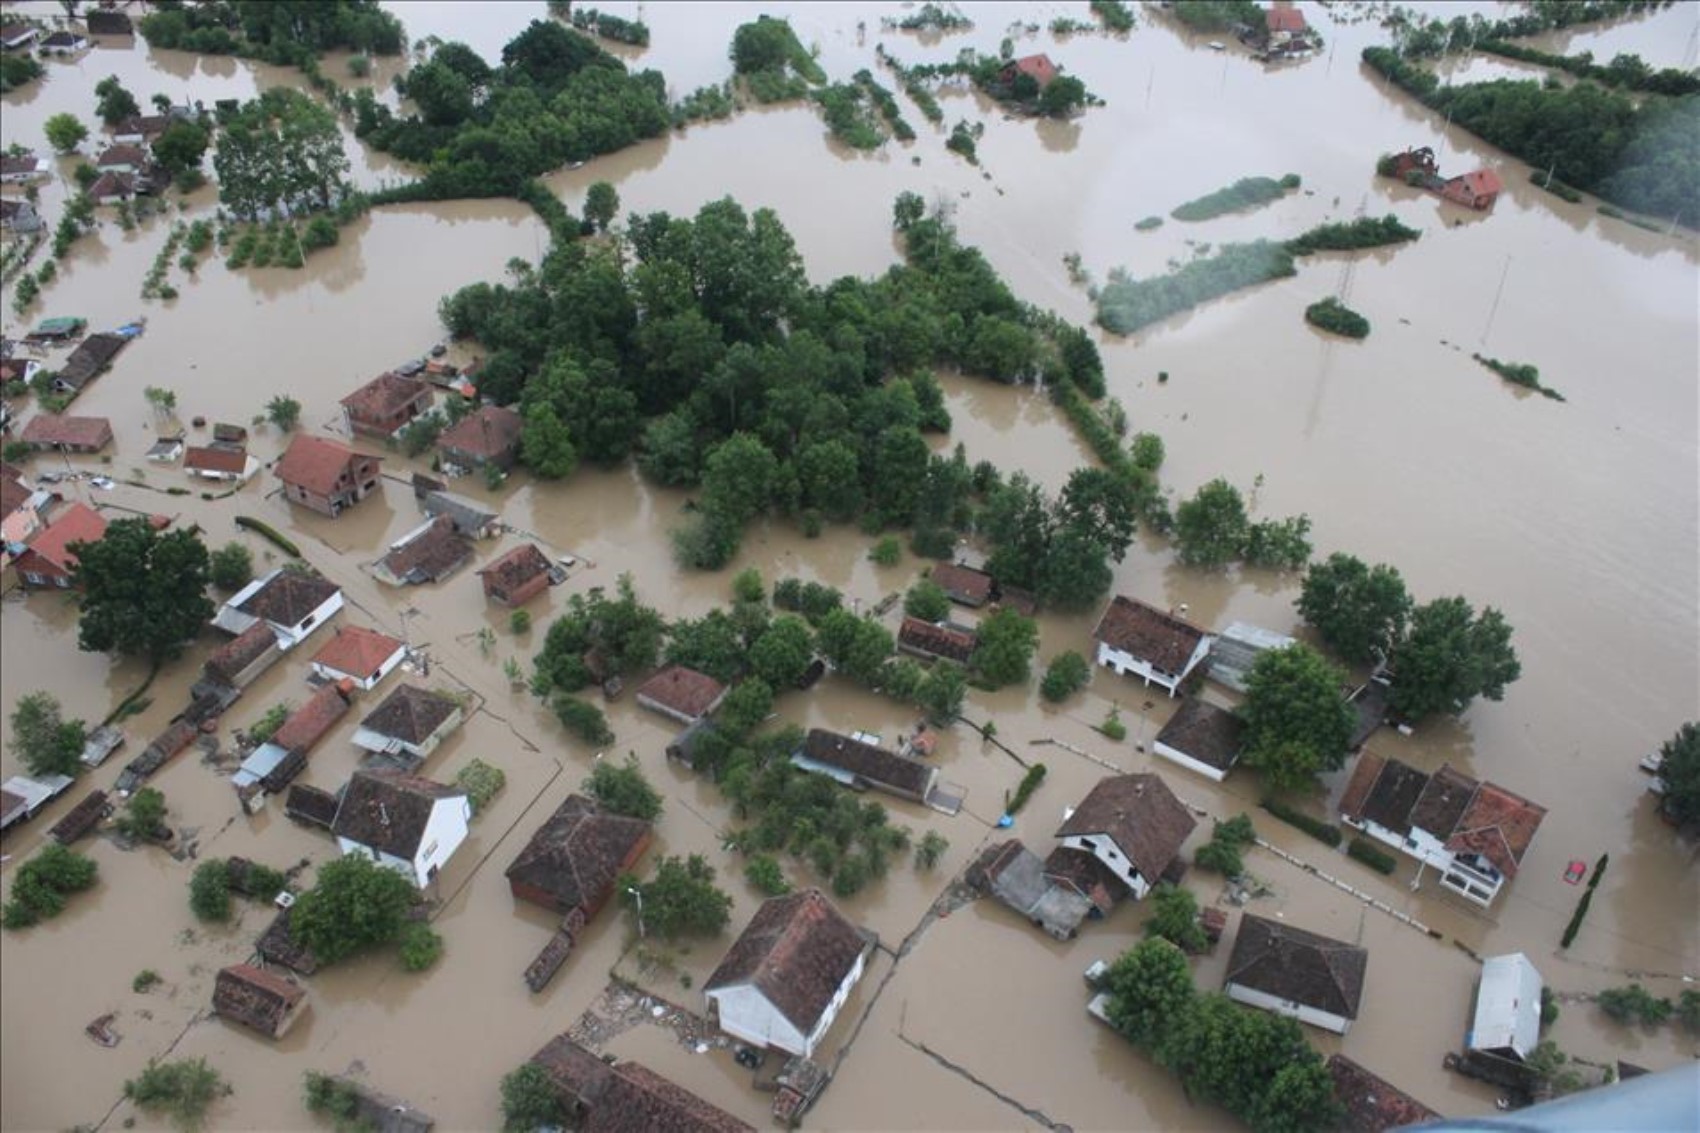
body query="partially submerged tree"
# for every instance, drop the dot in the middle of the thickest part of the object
(623, 789)
(144, 591)
(355, 904)
(183, 1090)
(680, 900)
(45, 743)
(64, 132)
(1298, 724)
(1680, 771)
(1360, 611)
(1449, 657)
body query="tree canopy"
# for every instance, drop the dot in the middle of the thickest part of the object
(144, 591)
(355, 904)
(1360, 611)
(680, 900)
(623, 789)
(624, 635)
(1298, 724)
(1680, 771)
(1007, 642)
(45, 742)
(1449, 657)
(282, 150)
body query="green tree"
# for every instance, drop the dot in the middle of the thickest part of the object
(284, 412)
(601, 204)
(114, 103)
(1210, 528)
(782, 654)
(583, 719)
(746, 706)
(1634, 1004)
(181, 148)
(42, 883)
(183, 1090)
(209, 891)
(1066, 675)
(1062, 96)
(926, 600)
(45, 743)
(144, 591)
(1298, 1099)
(545, 445)
(764, 872)
(711, 644)
(1174, 917)
(622, 789)
(421, 946)
(941, 692)
(1449, 657)
(530, 1101)
(1007, 641)
(64, 132)
(930, 850)
(681, 899)
(738, 479)
(1359, 610)
(1680, 772)
(355, 904)
(856, 647)
(1150, 989)
(1297, 723)
(144, 816)
(231, 566)
(442, 94)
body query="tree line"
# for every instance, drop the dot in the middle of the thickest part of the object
(282, 33)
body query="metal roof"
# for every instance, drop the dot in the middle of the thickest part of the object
(1508, 1006)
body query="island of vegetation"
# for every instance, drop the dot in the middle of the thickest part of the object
(1335, 317)
(1245, 194)
(1521, 374)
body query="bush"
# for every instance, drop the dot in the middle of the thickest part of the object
(1113, 726)
(262, 729)
(1371, 855)
(927, 600)
(146, 980)
(334, 1099)
(530, 1101)
(765, 873)
(1335, 317)
(930, 850)
(420, 946)
(209, 891)
(1315, 827)
(1246, 193)
(519, 622)
(481, 782)
(1174, 917)
(1126, 305)
(1634, 1004)
(887, 551)
(1219, 857)
(1066, 675)
(267, 532)
(231, 567)
(1029, 783)
(1350, 235)
(623, 789)
(583, 719)
(183, 1090)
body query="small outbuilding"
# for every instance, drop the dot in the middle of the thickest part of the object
(228, 464)
(430, 552)
(1507, 1020)
(963, 584)
(409, 724)
(684, 694)
(358, 654)
(258, 1000)
(1203, 738)
(386, 405)
(518, 576)
(1312, 978)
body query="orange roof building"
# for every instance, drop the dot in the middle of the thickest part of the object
(361, 655)
(48, 561)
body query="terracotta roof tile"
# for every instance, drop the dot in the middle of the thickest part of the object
(796, 952)
(490, 431)
(874, 764)
(122, 155)
(432, 553)
(965, 584)
(578, 853)
(1141, 813)
(308, 724)
(78, 523)
(241, 651)
(1358, 787)
(683, 690)
(1371, 1103)
(519, 566)
(1443, 802)
(356, 651)
(578, 1075)
(1499, 826)
(1394, 796)
(385, 396)
(226, 460)
(1299, 966)
(316, 463)
(936, 640)
(1148, 633)
(1285, 19)
(78, 432)
(635, 1099)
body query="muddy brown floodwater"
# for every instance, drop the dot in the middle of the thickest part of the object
(1579, 520)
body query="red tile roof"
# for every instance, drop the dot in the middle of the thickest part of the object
(357, 652)
(113, 183)
(937, 640)
(685, 691)
(1371, 1103)
(1141, 813)
(489, 432)
(385, 396)
(229, 461)
(1499, 826)
(1148, 633)
(243, 650)
(122, 155)
(578, 853)
(13, 495)
(1285, 19)
(1483, 182)
(410, 714)
(965, 584)
(519, 566)
(315, 463)
(78, 523)
(635, 1099)
(796, 952)
(78, 432)
(1360, 784)
(389, 812)
(308, 724)
(1039, 67)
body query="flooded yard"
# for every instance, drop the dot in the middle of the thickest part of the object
(1579, 520)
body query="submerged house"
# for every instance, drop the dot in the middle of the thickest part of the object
(21, 796)
(936, 642)
(326, 476)
(1370, 1103)
(1015, 876)
(46, 560)
(363, 656)
(292, 603)
(1289, 971)
(473, 519)
(863, 765)
(1237, 648)
(19, 168)
(92, 358)
(230, 465)
(788, 974)
(20, 217)
(258, 999)
(518, 576)
(239, 661)
(1157, 646)
(601, 1096)
(1478, 189)
(488, 435)
(410, 722)
(1475, 834)
(1202, 738)
(963, 584)
(430, 552)
(681, 693)
(385, 405)
(402, 822)
(1039, 68)
(1134, 825)
(1507, 1019)
(271, 767)
(52, 432)
(572, 862)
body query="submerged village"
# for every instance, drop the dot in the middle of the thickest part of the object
(856, 566)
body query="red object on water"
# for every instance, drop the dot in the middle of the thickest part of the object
(1575, 871)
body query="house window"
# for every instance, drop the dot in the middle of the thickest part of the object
(307, 622)
(430, 851)
(35, 579)
(1089, 844)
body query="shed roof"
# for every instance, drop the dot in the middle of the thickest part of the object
(255, 997)
(78, 523)
(577, 854)
(577, 1074)
(488, 432)
(682, 690)
(358, 652)
(315, 463)
(1371, 1103)
(410, 714)
(1483, 182)
(1039, 67)
(1508, 1006)
(1148, 633)
(1204, 732)
(389, 812)
(77, 432)
(1285, 18)
(797, 952)
(1141, 813)
(1299, 966)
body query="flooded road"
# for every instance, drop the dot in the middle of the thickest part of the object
(1580, 520)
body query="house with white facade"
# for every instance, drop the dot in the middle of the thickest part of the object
(1279, 968)
(293, 603)
(409, 724)
(1507, 1022)
(361, 655)
(1149, 643)
(788, 974)
(1475, 834)
(402, 822)
(1202, 738)
(1134, 825)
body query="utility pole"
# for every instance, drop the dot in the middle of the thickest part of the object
(1494, 310)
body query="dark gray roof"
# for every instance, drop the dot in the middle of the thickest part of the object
(388, 812)
(1204, 732)
(410, 714)
(1298, 966)
(873, 764)
(796, 951)
(1143, 816)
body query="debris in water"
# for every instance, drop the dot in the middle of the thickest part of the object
(101, 1031)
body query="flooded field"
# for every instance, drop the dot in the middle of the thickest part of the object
(1580, 520)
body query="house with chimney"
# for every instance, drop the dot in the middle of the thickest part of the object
(1202, 738)
(326, 476)
(430, 552)
(257, 999)
(1134, 825)
(1159, 647)
(409, 725)
(862, 765)
(573, 860)
(1475, 834)
(402, 822)
(385, 405)
(46, 562)
(488, 435)
(1278, 967)
(359, 655)
(789, 973)
(518, 576)
(293, 603)
(681, 693)
(598, 1095)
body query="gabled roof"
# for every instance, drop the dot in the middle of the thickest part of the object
(1204, 732)
(963, 583)
(1141, 814)
(308, 724)
(13, 495)
(254, 996)
(874, 764)
(577, 1074)
(1508, 1006)
(796, 952)
(683, 690)
(490, 431)
(1383, 791)
(519, 566)
(385, 396)
(315, 463)
(1499, 826)
(1286, 19)
(936, 640)
(63, 39)
(22, 163)
(78, 523)
(1443, 802)
(577, 854)
(122, 155)
(1298, 966)
(92, 355)
(358, 652)
(1039, 67)
(215, 459)
(410, 714)
(1482, 182)
(78, 432)
(432, 551)
(1148, 633)
(242, 650)
(389, 812)
(113, 183)
(1371, 1103)
(288, 596)
(635, 1099)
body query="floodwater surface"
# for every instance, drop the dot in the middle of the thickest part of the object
(1580, 520)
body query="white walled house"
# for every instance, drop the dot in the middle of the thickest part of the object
(292, 603)
(402, 822)
(1507, 1021)
(1134, 825)
(788, 974)
(1279, 968)
(361, 655)
(409, 724)
(1202, 738)
(1158, 647)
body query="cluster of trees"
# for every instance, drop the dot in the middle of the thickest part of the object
(1213, 528)
(43, 883)
(1635, 1004)
(143, 591)
(280, 152)
(1630, 72)
(1420, 36)
(1246, 193)
(356, 905)
(277, 33)
(1059, 550)
(622, 789)
(1335, 317)
(1255, 1064)
(635, 33)
(183, 1090)
(486, 131)
(1442, 654)
(1218, 15)
(772, 62)
(1059, 98)
(680, 900)
(1643, 155)
(1680, 773)
(18, 69)
(44, 741)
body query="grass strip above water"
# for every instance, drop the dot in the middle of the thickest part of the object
(1246, 193)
